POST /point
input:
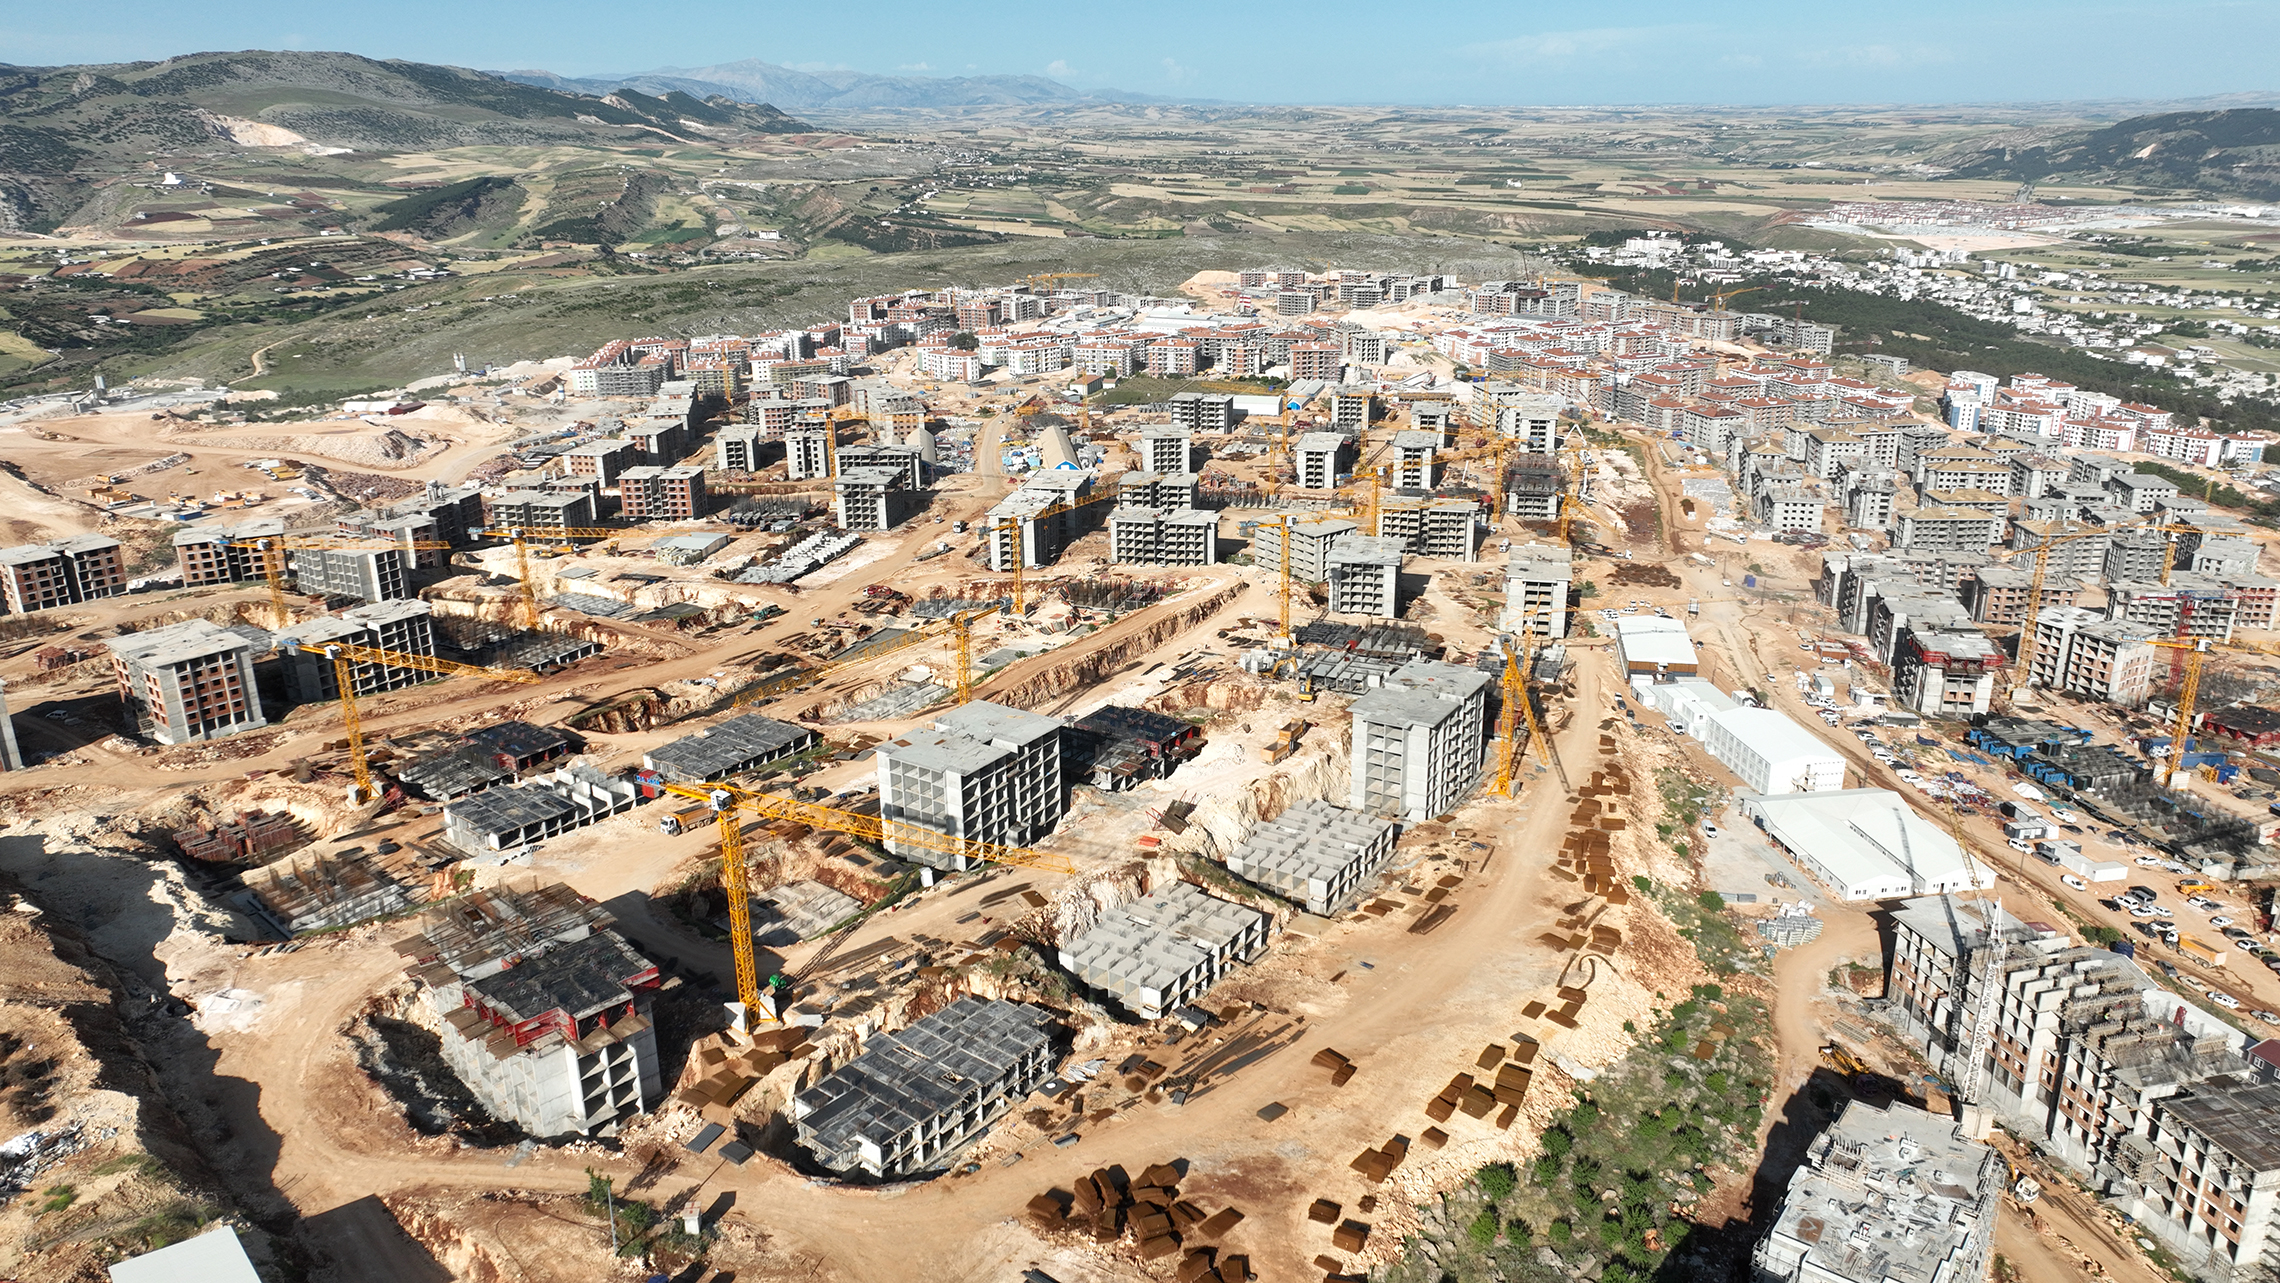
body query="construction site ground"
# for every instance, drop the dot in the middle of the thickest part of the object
(271, 1086)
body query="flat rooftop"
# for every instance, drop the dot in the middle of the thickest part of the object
(178, 643)
(578, 978)
(998, 723)
(945, 752)
(729, 747)
(903, 1080)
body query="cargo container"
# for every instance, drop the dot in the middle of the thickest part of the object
(2073, 861)
(2107, 871)
(2200, 952)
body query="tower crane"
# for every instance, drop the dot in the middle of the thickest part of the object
(343, 656)
(1283, 558)
(2041, 551)
(2195, 651)
(1718, 301)
(274, 547)
(730, 802)
(526, 609)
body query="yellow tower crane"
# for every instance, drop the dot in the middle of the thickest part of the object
(2196, 651)
(2025, 657)
(526, 608)
(345, 656)
(274, 547)
(730, 802)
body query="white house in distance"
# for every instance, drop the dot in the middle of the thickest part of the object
(1866, 844)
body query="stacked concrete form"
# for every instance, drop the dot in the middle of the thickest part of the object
(737, 745)
(503, 819)
(544, 1011)
(322, 891)
(913, 1099)
(1315, 854)
(1166, 948)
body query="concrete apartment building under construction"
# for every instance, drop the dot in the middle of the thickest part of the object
(370, 574)
(1445, 528)
(1310, 543)
(983, 772)
(1165, 949)
(1039, 519)
(187, 682)
(872, 499)
(544, 1011)
(1887, 1195)
(1419, 740)
(912, 1100)
(404, 627)
(1537, 581)
(1163, 536)
(42, 576)
(1364, 574)
(2112, 1074)
(1315, 854)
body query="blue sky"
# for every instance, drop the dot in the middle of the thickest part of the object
(1517, 53)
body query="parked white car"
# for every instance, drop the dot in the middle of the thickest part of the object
(2072, 881)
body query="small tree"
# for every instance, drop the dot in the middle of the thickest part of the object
(1497, 1181)
(964, 342)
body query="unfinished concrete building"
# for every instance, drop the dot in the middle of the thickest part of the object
(872, 499)
(1167, 448)
(1315, 854)
(504, 819)
(1351, 409)
(371, 574)
(1038, 520)
(228, 554)
(1319, 458)
(1889, 1194)
(983, 772)
(1310, 543)
(912, 1100)
(538, 511)
(1204, 411)
(1419, 741)
(737, 449)
(902, 460)
(1415, 466)
(1157, 489)
(545, 1012)
(807, 452)
(400, 627)
(1165, 949)
(187, 682)
(327, 890)
(1447, 528)
(1365, 576)
(735, 746)
(66, 572)
(1163, 537)
(1537, 581)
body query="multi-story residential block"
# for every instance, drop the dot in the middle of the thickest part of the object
(1364, 576)
(1167, 448)
(186, 682)
(543, 1010)
(603, 460)
(872, 498)
(2140, 491)
(1940, 528)
(1894, 1176)
(1943, 673)
(373, 574)
(1203, 412)
(2078, 652)
(228, 555)
(1869, 498)
(541, 510)
(982, 772)
(1310, 543)
(1152, 536)
(63, 573)
(1040, 519)
(1418, 740)
(2189, 605)
(1998, 594)
(399, 627)
(1319, 458)
(662, 494)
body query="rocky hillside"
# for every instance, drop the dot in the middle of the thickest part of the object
(2235, 152)
(58, 125)
(831, 90)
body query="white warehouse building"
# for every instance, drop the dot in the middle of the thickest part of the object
(1867, 844)
(1772, 754)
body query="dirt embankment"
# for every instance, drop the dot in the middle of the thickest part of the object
(116, 1171)
(1098, 663)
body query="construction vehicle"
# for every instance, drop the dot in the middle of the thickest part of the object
(343, 655)
(730, 802)
(274, 547)
(685, 820)
(1285, 742)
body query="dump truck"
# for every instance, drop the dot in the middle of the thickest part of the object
(686, 819)
(2200, 952)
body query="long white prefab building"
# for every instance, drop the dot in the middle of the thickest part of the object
(1866, 844)
(1772, 754)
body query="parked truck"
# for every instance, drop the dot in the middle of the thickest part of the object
(686, 819)
(2200, 952)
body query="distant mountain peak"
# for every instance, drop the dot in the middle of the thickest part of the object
(754, 80)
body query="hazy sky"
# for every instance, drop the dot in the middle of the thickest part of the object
(1519, 52)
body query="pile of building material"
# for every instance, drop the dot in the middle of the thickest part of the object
(1151, 1210)
(1712, 492)
(503, 819)
(252, 835)
(1332, 670)
(1165, 949)
(1795, 925)
(1315, 854)
(803, 558)
(322, 890)
(540, 652)
(912, 1100)
(898, 701)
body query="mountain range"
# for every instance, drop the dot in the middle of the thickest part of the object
(2234, 151)
(752, 80)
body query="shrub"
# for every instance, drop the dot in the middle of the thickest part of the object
(1497, 1181)
(1640, 881)
(1483, 1229)
(1557, 1142)
(1711, 902)
(1586, 1116)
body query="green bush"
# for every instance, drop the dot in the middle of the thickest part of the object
(1483, 1229)
(1711, 902)
(1558, 1143)
(1640, 881)
(1497, 1181)
(1560, 1232)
